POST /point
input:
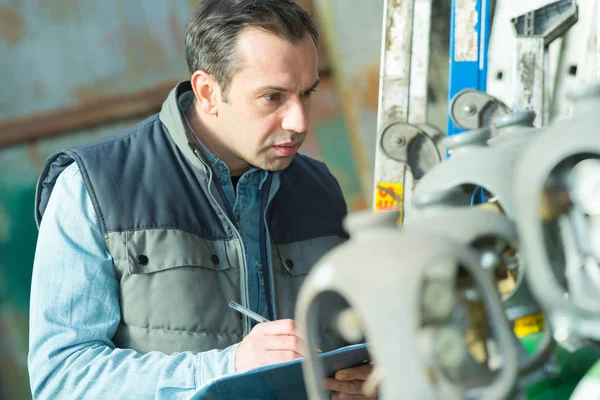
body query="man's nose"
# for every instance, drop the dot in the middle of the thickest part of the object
(296, 117)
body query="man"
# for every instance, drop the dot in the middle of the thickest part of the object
(145, 237)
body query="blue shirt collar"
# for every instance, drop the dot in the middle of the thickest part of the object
(217, 165)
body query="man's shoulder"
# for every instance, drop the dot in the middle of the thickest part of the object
(303, 163)
(315, 198)
(141, 128)
(312, 177)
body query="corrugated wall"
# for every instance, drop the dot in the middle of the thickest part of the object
(73, 71)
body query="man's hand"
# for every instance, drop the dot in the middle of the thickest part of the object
(269, 343)
(348, 383)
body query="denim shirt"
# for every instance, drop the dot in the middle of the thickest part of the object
(75, 305)
(245, 205)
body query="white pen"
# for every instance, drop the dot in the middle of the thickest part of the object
(247, 312)
(251, 314)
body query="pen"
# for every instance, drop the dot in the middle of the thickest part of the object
(247, 312)
(251, 314)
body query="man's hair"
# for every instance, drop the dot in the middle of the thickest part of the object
(211, 34)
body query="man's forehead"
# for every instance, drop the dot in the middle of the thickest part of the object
(269, 61)
(257, 36)
(265, 49)
(285, 82)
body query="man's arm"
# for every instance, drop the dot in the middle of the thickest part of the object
(75, 313)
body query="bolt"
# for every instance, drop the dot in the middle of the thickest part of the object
(400, 141)
(489, 260)
(552, 369)
(561, 335)
(470, 109)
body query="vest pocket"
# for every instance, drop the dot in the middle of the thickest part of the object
(291, 263)
(155, 250)
(174, 288)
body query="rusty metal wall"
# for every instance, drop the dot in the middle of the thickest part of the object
(66, 55)
(66, 52)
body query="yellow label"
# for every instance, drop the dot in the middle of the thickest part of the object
(529, 325)
(389, 196)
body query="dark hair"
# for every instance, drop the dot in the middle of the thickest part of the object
(211, 33)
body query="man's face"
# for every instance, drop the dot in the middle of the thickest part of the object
(265, 119)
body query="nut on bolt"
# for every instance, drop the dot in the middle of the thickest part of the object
(470, 109)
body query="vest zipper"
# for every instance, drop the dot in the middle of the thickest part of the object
(245, 300)
(266, 251)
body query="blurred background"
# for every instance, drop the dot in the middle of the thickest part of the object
(73, 71)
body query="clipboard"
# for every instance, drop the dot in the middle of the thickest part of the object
(279, 381)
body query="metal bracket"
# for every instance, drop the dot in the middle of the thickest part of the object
(535, 31)
(472, 109)
(414, 145)
(548, 22)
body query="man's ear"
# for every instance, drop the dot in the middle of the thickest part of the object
(206, 91)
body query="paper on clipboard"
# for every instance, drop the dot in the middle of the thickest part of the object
(279, 381)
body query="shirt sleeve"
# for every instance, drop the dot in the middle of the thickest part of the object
(74, 313)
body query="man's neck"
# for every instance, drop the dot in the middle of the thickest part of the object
(205, 129)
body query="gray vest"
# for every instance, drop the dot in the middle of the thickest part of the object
(176, 253)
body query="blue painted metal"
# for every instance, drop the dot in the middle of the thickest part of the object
(469, 41)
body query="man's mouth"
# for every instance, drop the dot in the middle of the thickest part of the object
(287, 149)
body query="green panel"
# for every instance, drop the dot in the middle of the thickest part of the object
(573, 367)
(17, 246)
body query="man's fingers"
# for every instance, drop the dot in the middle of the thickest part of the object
(348, 387)
(279, 356)
(361, 372)
(279, 327)
(285, 343)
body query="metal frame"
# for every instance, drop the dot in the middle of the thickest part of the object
(402, 92)
(534, 31)
(469, 41)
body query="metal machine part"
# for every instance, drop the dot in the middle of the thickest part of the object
(534, 32)
(476, 163)
(479, 160)
(494, 237)
(472, 109)
(426, 327)
(416, 146)
(558, 200)
(513, 129)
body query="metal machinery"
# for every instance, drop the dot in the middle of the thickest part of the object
(491, 288)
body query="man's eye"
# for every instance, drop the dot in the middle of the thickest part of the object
(309, 93)
(273, 97)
